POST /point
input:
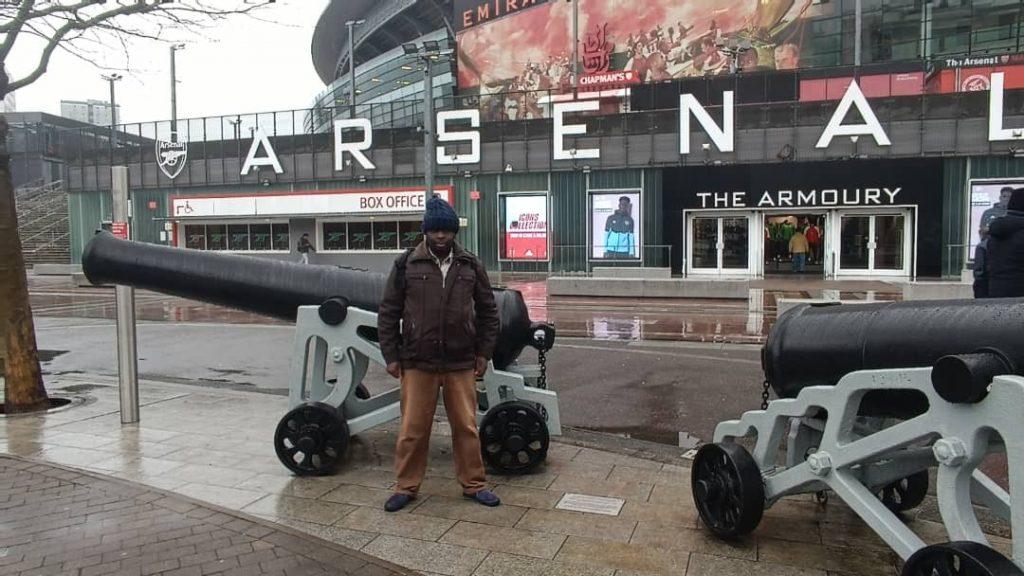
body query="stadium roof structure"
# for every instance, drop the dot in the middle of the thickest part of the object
(388, 24)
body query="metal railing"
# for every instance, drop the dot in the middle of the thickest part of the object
(581, 259)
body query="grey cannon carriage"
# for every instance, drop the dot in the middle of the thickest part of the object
(336, 333)
(872, 397)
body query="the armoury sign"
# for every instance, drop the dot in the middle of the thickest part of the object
(809, 198)
(353, 138)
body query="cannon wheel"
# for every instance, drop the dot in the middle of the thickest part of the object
(906, 493)
(514, 437)
(727, 489)
(311, 439)
(959, 559)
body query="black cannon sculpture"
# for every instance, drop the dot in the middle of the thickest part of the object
(335, 314)
(872, 397)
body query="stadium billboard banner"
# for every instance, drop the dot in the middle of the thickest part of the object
(520, 46)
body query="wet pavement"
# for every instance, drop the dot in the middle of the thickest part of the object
(659, 370)
(216, 446)
(634, 320)
(646, 390)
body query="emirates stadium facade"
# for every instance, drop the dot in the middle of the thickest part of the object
(689, 137)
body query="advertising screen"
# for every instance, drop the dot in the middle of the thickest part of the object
(614, 226)
(988, 201)
(525, 231)
(522, 46)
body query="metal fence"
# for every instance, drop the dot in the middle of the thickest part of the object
(581, 260)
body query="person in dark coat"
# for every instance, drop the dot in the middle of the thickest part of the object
(1006, 250)
(438, 325)
(981, 266)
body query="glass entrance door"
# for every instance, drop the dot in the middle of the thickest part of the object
(874, 244)
(719, 245)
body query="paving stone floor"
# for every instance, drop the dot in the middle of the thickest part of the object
(55, 520)
(216, 446)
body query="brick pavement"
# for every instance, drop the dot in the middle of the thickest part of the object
(55, 520)
(216, 446)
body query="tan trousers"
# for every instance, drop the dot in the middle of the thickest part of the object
(419, 402)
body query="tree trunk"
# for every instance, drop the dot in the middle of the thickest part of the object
(23, 383)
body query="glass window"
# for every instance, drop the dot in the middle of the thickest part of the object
(195, 236)
(360, 236)
(238, 236)
(409, 233)
(335, 236)
(281, 239)
(216, 237)
(385, 235)
(259, 236)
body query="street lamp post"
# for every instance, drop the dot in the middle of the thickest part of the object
(174, 93)
(111, 78)
(352, 63)
(428, 52)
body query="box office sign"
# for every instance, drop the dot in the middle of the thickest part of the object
(345, 202)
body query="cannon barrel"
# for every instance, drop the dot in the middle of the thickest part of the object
(815, 345)
(267, 287)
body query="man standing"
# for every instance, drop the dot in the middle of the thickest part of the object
(438, 326)
(981, 265)
(798, 247)
(304, 248)
(1005, 250)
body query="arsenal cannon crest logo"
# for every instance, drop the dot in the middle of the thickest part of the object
(171, 157)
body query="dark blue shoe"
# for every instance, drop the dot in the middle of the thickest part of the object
(485, 497)
(397, 502)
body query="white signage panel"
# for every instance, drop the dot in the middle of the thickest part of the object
(348, 202)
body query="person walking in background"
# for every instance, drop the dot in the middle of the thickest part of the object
(438, 325)
(304, 248)
(981, 265)
(1005, 250)
(798, 247)
(813, 235)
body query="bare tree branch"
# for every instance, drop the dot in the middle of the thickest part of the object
(5, 48)
(62, 25)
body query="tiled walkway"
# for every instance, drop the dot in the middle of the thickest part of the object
(55, 520)
(215, 446)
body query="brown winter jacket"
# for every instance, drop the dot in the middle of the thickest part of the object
(445, 325)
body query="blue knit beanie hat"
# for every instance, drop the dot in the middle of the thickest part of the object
(440, 216)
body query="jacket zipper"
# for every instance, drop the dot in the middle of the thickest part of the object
(445, 289)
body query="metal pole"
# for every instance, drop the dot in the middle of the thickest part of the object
(352, 67)
(174, 98)
(857, 17)
(114, 116)
(127, 355)
(575, 44)
(428, 127)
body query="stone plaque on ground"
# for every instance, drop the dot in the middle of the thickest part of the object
(591, 504)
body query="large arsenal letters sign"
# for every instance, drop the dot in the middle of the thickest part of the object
(353, 138)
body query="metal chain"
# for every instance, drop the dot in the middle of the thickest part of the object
(765, 394)
(542, 357)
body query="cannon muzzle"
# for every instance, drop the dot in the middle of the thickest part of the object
(269, 287)
(816, 345)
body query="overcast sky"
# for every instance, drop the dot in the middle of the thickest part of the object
(241, 66)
